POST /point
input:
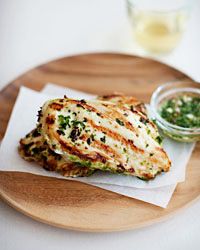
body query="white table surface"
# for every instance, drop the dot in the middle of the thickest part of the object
(35, 31)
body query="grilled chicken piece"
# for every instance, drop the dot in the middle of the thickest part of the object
(34, 148)
(128, 101)
(104, 135)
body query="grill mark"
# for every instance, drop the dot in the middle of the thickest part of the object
(164, 155)
(116, 136)
(144, 116)
(123, 100)
(109, 114)
(73, 150)
(50, 119)
(83, 104)
(109, 96)
(102, 146)
(115, 114)
(55, 105)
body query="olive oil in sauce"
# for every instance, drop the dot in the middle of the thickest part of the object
(182, 110)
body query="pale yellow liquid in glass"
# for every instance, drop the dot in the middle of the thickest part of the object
(158, 33)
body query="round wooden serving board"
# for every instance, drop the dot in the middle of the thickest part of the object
(79, 206)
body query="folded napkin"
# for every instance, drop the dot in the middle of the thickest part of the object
(23, 119)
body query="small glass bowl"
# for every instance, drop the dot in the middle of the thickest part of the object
(168, 91)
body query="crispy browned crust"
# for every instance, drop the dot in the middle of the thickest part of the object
(33, 148)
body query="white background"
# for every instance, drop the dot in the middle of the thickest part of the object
(35, 31)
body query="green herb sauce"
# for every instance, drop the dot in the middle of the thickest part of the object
(183, 111)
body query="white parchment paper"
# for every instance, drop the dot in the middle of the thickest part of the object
(23, 119)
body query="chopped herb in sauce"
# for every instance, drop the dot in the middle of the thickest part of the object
(119, 122)
(182, 110)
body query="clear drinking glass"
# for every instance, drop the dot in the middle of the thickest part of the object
(158, 25)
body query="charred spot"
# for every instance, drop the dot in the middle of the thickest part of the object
(39, 115)
(83, 101)
(56, 106)
(49, 165)
(88, 141)
(36, 151)
(50, 120)
(110, 96)
(100, 158)
(144, 120)
(132, 108)
(103, 139)
(65, 97)
(92, 137)
(131, 170)
(35, 133)
(120, 168)
(130, 141)
(26, 147)
(80, 104)
(75, 133)
(60, 132)
(129, 123)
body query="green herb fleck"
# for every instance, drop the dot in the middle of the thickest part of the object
(159, 139)
(124, 150)
(148, 131)
(63, 122)
(76, 123)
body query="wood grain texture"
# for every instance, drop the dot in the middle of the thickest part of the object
(79, 206)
